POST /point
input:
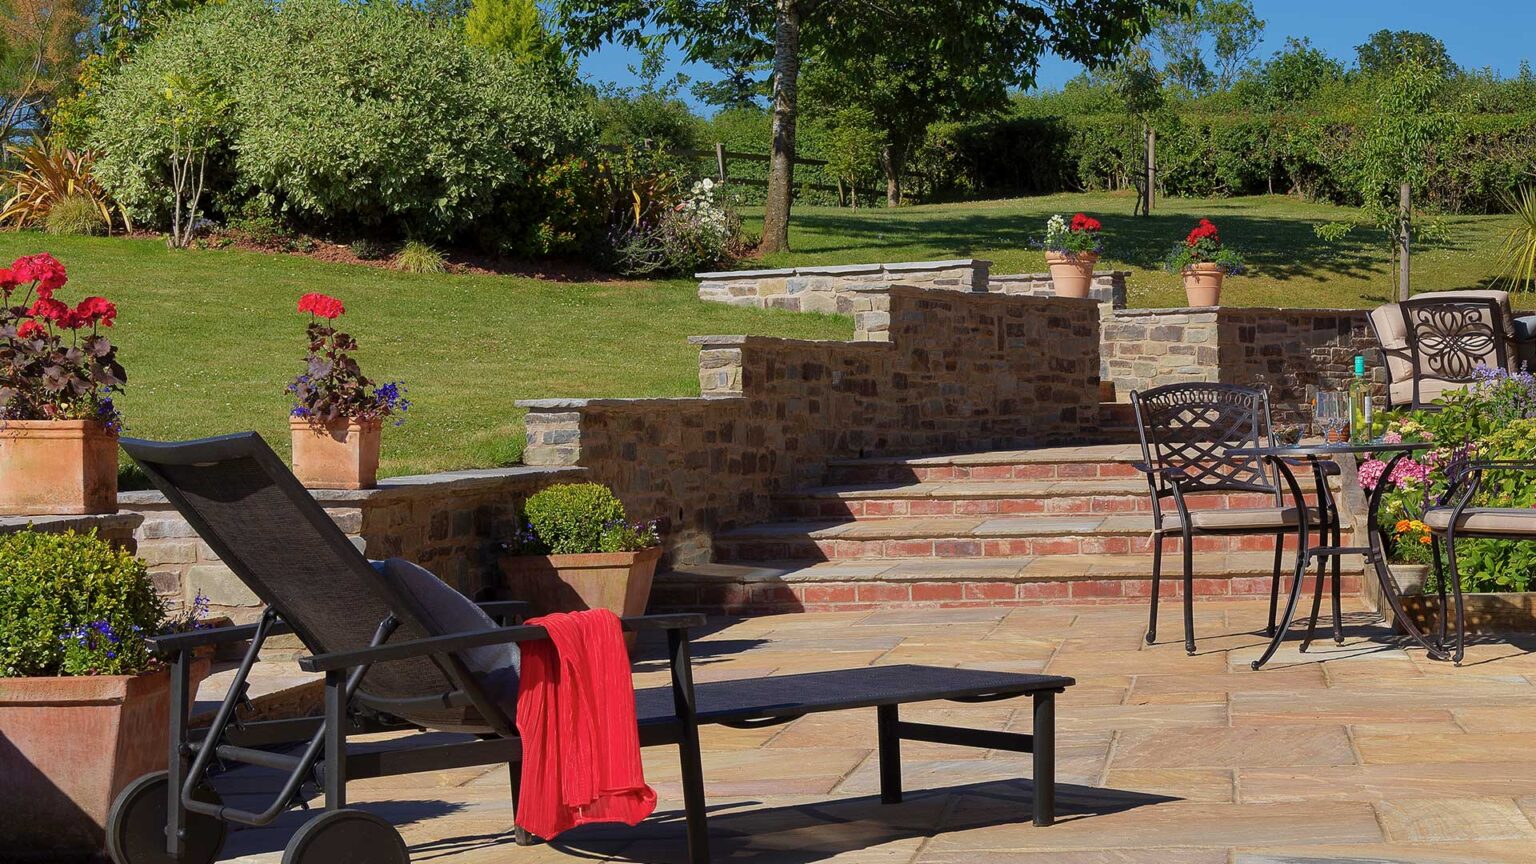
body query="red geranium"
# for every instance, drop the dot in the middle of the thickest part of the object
(1084, 222)
(322, 305)
(43, 269)
(96, 310)
(1206, 229)
(31, 330)
(50, 309)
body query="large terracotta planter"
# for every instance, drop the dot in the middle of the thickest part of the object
(67, 747)
(617, 581)
(57, 467)
(1202, 284)
(1071, 275)
(338, 456)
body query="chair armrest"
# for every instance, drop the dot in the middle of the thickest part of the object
(170, 643)
(1513, 464)
(474, 639)
(501, 611)
(1168, 471)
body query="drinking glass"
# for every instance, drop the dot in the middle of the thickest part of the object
(1332, 416)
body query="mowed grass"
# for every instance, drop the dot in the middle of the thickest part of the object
(1289, 265)
(210, 338)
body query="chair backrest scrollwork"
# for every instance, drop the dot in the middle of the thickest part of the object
(1191, 427)
(1448, 340)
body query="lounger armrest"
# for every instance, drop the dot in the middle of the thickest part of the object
(502, 611)
(170, 643)
(475, 639)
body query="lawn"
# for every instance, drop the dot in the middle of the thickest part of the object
(1290, 266)
(210, 338)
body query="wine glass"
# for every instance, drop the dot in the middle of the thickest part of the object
(1330, 415)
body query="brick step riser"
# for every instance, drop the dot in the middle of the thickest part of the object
(735, 551)
(775, 598)
(881, 508)
(854, 474)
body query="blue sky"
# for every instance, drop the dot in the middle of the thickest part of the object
(1478, 33)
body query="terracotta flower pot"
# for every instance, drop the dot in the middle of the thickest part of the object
(617, 581)
(1071, 276)
(1202, 284)
(67, 747)
(57, 467)
(342, 455)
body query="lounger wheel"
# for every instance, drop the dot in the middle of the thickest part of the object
(346, 837)
(136, 826)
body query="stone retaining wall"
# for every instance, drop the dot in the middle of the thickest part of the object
(930, 370)
(448, 523)
(1291, 351)
(824, 289)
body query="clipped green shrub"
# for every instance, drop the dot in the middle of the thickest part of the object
(418, 257)
(342, 115)
(75, 216)
(71, 604)
(574, 518)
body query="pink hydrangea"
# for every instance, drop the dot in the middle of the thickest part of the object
(1370, 473)
(1392, 438)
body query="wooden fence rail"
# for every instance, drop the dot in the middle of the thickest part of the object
(723, 157)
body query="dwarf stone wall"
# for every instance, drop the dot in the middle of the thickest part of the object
(1292, 352)
(929, 370)
(826, 289)
(1108, 287)
(449, 523)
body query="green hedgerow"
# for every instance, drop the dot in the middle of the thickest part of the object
(75, 216)
(418, 257)
(72, 604)
(575, 518)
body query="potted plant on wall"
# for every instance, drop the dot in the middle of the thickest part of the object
(338, 413)
(577, 550)
(58, 374)
(1203, 261)
(1071, 251)
(83, 704)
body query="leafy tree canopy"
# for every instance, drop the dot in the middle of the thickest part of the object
(1386, 50)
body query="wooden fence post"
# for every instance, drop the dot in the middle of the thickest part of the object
(720, 160)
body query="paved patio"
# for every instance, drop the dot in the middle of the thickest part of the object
(1364, 753)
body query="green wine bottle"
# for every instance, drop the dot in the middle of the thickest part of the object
(1359, 404)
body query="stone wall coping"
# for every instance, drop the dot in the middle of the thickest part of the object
(1038, 277)
(11, 524)
(725, 341)
(839, 269)
(1217, 310)
(443, 481)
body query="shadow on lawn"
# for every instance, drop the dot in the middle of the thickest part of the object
(1278, 248)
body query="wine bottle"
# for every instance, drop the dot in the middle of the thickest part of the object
(1359, 404)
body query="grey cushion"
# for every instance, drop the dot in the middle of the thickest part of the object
(443, 611)
(1495, 521)
(1247, 518)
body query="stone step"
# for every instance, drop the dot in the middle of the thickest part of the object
(964, 537)
(994, 497)
(1098, 461)
(793, 586)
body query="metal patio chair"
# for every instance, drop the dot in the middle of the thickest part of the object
(1435, 342)
(1186, 432)
(397, 656)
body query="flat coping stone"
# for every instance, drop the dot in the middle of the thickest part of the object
(445, 481)
(56, 522)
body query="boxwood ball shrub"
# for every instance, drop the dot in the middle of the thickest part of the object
(340, 116)
(576, 518)
(72, 604)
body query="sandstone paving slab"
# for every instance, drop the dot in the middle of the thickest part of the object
(1232, 747)
(851, 726)
(1494, 852)
(1070, 714)
(1516, 719)
(1084, 664)
(909, 618)
(1186, 784)
(941, 569)
(1034, 525)
(1170, 683)
(969, 653)
(1434, 748)
(1391, 781)
(1165, 855)
(953, 775)
(1454, 819)
(1356, 657)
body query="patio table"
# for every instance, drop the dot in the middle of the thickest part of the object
(1374, 553)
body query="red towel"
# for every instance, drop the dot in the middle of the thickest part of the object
(576, 716)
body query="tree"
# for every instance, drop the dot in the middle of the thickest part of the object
(514, 26)
(1090, 31)
(1385, 50)
(1291, 77)
(743, 81)
(854, 144)
(194, 113)
(1228, 29)
(37, 57)
(1138, 84)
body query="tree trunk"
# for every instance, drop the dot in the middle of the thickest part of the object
(781, 164)
(1151, 192)
(891, 161)
(1404, 235)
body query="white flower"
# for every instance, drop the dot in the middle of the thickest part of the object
(708, 184)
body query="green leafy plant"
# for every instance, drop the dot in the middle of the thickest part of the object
(418, 257)
(576, 518)
(71, 604)
(1517, 257)
(75, 216)
(369, 249)
(1078, 237)
(51, 175)
(1203, 246)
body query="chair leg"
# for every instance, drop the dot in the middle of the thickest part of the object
(1274, 585)
(1157, 581)
(1338, 606)
(1461, 612)
(1189, 593)
(515, 772)
(1317, 602)
(1440, 577)
(889, 743)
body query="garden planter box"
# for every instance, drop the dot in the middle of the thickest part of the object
(338, 456)
(1503, 612)
(617, 581)
(68, 745)
(57, 467)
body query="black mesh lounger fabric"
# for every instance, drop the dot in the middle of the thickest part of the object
(793, 695)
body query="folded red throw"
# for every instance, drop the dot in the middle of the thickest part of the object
(576, 716)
